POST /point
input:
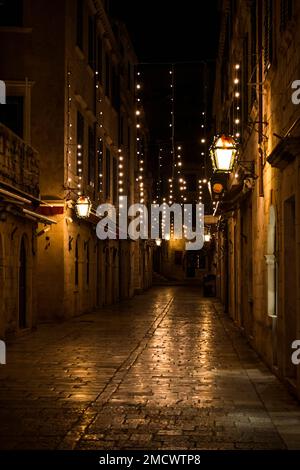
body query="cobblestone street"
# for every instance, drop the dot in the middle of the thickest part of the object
(164, 370)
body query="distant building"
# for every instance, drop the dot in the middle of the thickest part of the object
(258, 243)
(171, 258)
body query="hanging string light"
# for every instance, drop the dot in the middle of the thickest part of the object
(69, 126)
(99, 115)
(173, 158)
(120, 174)
(79, 167)
(140, 149)
(237, 100)
(172, 126)
(100, 165)
(200, 198)
(158, 182)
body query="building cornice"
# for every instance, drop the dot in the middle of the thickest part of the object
(285, 152)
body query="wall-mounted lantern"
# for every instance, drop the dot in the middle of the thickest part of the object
(223, 153)
(83, 207)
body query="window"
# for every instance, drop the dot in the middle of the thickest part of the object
(107, 173)
(11, 13)
(268, 34)
(91, 157)
(80, 143)
(107, 75)
(286, 13)
(79, 24)
(91, 48)
(178, 257)
(12, 114)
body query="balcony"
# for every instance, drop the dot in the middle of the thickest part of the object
(18, 163)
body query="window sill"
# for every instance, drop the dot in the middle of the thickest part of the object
(15, 29)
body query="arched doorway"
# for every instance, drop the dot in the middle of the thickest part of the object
(23, 285)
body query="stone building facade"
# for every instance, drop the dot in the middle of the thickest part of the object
(79, 111)
(19, 199)
(258, 238)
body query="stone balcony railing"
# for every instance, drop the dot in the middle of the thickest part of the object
(19, 165)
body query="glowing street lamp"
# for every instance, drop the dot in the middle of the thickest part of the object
(83, 207)
(158, 241)
(223, 153)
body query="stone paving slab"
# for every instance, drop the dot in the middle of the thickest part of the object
(165, 370)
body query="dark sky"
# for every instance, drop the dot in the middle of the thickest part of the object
(186, 34)
(166, 30)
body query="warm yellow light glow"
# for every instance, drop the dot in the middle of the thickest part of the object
(83, 207)
(223, 153)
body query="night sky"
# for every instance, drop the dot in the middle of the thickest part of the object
(165, 33)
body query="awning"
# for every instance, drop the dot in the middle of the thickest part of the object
(39, 217)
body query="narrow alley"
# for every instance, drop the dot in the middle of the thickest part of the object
(166, 369)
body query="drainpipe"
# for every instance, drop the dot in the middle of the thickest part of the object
(260, 100)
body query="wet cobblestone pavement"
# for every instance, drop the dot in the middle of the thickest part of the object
(166, 370)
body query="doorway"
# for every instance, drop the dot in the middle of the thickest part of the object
(191, 263)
